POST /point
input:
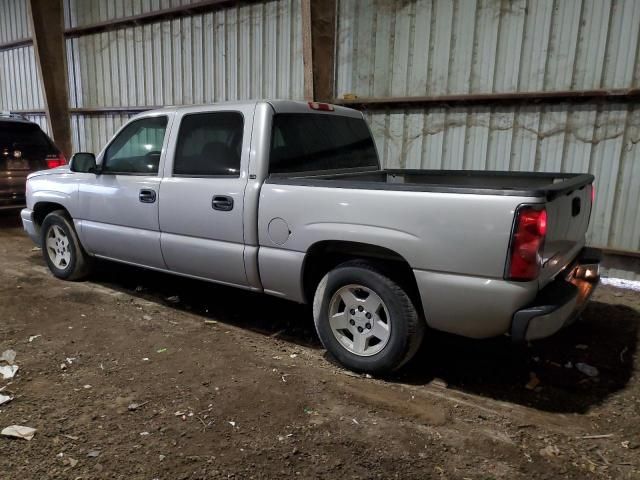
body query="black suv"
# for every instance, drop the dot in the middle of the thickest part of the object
(24, 148)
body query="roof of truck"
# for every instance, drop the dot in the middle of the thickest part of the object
(279, 106)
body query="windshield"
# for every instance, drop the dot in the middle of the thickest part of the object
(305, 142)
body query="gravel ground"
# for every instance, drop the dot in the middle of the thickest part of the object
(229, 384)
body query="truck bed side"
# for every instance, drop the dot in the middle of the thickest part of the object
(455, 243)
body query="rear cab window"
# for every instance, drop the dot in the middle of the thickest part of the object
(310, 142)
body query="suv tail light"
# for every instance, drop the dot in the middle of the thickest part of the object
(54, 161)
(525, 254)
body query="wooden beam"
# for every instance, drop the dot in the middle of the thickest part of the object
(47, 24)
(323, 45)
(23, 42)
(307, 50)
(490, 99)
(154, 16)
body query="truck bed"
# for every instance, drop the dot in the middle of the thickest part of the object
(522, 184)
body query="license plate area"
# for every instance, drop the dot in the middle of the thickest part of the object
(17, 164)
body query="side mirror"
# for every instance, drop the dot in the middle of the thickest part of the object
(83, 162)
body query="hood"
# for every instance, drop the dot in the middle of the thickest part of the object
(50, 171)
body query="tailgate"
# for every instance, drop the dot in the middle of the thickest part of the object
(567, 222)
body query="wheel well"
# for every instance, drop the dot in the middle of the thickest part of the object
(42, 209)
(325, 256)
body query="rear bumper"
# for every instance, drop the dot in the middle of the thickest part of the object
(29, 225)
(559, 303)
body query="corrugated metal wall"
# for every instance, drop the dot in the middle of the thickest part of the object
(14, 20)
(19, 81)
(252, 51)
(437, 47)
(417, 48)
(20, 86)
(80, 13)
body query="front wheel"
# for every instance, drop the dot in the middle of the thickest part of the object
(61, 248)
(365, 319)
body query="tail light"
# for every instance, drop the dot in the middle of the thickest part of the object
(593, 194)
(57, 160)
(525, 255)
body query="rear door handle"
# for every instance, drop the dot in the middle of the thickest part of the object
(147, 196)
(222, 203)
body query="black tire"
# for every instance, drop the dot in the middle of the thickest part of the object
(79, 264)
(407, 328)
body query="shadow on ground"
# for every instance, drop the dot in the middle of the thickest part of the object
(605, 338)
(494, 368)
(10, 219)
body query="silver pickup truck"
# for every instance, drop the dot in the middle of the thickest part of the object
(288, 198)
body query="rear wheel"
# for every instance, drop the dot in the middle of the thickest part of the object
(365, 319)
(61, 248)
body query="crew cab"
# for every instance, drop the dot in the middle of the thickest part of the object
(289, 198)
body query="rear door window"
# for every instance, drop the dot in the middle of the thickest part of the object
(209, 145)
(304, 142)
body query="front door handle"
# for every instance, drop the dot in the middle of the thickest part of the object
(222, 203)
(147, 196)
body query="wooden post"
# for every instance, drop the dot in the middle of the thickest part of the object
(47, 25)
(318, 48)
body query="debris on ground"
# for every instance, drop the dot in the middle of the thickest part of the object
(5, 399)
(587, 369)
(72, 462)
(135, 406)
(550, 451)
(8, 371)
(93, 453)
(18, 431)
(210, 322)
(173, 299)
(147, 317)
(595, 437)
(8, 356)
(33, 337)
(161, 350)
(533, 383)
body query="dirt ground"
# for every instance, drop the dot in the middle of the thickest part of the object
(235, 385)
